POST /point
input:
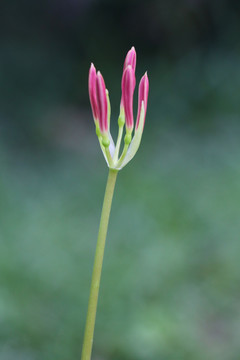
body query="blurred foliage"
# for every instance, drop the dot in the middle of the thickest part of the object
(170, 287)
(47, 46)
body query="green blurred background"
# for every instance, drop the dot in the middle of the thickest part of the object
(171, 280)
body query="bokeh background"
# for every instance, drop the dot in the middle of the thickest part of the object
(171, 280)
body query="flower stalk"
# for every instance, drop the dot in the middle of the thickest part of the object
(97, 268)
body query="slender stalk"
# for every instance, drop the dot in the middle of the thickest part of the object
(109, 157)
(97, 268)
(121, 122)
(125, 148)
(119, 138)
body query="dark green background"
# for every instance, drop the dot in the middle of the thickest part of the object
(171, 281)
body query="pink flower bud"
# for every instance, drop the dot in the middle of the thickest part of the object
(101, 109)
(128, 85)
(102, 104)
(92, 91)
(130, 59)
(142, 97)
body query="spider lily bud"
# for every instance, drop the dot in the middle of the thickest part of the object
(99, 101)
(92, 91)
(129, 60)
(100, 104)
(142, 97)
(128, 85)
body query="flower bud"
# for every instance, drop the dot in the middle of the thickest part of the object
(130, 59)
(128, 85)
(142, 97)
(102, 103)
(92, 91)
(101, 109)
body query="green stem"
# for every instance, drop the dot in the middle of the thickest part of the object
(119, 138)
(126, 146)
(97, 268)
(109, 157)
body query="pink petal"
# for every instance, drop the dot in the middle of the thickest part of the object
(92, 91)
(102, 103)
(142, 96)
(130, 59)
(128, 85)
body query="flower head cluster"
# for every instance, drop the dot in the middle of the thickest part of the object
(101, 112)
